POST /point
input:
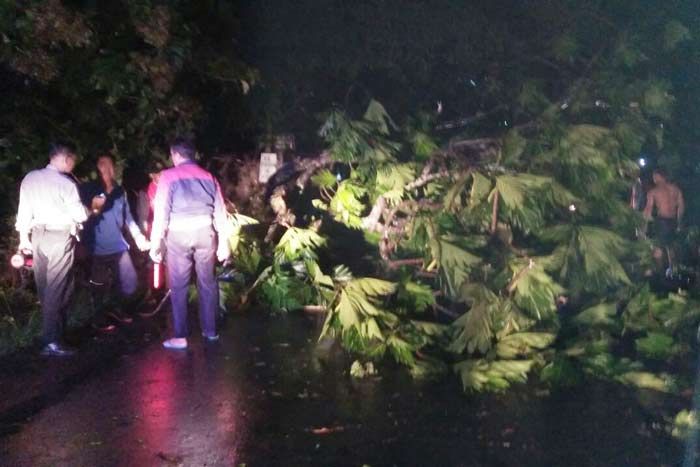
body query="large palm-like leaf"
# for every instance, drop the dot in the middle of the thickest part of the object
(455, 263)
(346, 205)
(363, 140)
(479, 375)
(525, 198)
(534, 290)
(523, 344)
(391, 181)
(589, 258)
(236, 223)
(298, 244)
(473, 331)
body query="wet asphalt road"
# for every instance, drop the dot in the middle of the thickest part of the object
(268, 395)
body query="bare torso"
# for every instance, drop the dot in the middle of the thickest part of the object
(667, 198)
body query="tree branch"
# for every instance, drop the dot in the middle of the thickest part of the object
(494, 212)
(404, 262)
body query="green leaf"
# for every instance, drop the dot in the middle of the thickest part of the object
(602, 315)
(657, 100)
(656, 346)
(647, 380)
(513, 147)
(523, 344)
(423, 145)
(346, 206)
(675, 33)
(298, 244)
(392, 179)
(371, 287)
(377, 114)
(480, 375)
(236, 223)
(324, 178)
(532, 98)
(401, 350)
(481, 186)
(473, 330)
(452, 201)
(417, 296)
(588, 258)
(535, 291)
(455, 264)
(347, 312)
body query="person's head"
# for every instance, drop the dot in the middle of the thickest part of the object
(105, 167)
(181, 151)
(62, 157)
(153, 169)
(659, 176)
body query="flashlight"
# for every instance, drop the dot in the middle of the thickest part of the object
(642, 162)
(20, 260)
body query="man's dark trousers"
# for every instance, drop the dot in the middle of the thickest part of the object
(185, 248)
(53, 273)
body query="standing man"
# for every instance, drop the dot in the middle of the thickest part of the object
(667, 198)
(48, 217)
(104, 236)
(189, 215)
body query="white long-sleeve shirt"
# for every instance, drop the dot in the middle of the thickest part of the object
(48, 197)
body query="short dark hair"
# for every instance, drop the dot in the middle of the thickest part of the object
(57, 149)
(183, 147)
(661, 171)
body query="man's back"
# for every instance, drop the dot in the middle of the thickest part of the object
(48, 197)
(667, 198)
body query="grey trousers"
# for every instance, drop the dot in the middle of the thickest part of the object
(186, 249)
(53, 273)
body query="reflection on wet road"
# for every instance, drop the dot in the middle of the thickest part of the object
(267, 394)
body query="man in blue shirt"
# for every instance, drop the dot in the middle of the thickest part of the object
(104, 237)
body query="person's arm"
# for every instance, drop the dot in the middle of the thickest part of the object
(649, 208)
(142, 209)
(24, 219)
(221, 224)
(140, 239)
(76, 209)
(681, 208)
(161, 216)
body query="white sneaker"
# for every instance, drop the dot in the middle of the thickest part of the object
(213, 338)
(176, 343)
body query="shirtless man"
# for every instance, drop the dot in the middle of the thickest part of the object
(667, 198)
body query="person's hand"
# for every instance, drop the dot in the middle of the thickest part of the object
(223, 251)
(155, 254)
(25, 246)
(142, 243)
(97, 203)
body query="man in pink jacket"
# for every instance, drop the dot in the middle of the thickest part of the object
(190, 217)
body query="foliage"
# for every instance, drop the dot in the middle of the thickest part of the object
(656, 346)
(124, 76)
(480, 375)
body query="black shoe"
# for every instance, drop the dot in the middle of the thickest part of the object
(120, 317)
(54, 349)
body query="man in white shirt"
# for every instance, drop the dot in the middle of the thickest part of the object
(48, 216)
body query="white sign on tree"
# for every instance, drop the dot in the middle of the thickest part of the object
(268, 166)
